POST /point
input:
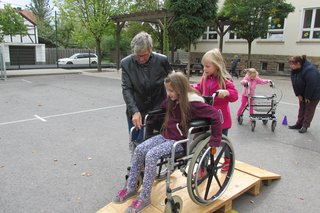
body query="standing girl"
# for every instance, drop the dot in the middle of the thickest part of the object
(216, 78)
(252, 79)
(182, 105)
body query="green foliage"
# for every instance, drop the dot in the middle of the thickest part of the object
(42, 10)
(250, 19)
(191, 18)
(11, 23)
(142, 5)
(165, 38)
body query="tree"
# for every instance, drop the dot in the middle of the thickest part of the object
(190, 19)
(42, 10)
(93, 18)
(11, 22)
(250, 19)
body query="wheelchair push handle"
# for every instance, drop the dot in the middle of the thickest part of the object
(209, 99)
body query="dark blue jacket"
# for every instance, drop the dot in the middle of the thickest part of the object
(306, 81)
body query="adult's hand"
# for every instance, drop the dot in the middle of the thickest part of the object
(307, 101)
(137, 120)
(300, 98)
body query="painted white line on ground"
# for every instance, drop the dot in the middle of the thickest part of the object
(18, 121)
(41, 119)
(83, 111)
(58, 115)
(30, 82)
(282, 102)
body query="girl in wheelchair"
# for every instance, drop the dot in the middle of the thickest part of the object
(182, 105)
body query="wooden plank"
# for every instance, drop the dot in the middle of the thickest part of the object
(240, 183)
(255, 171)
(246, 178)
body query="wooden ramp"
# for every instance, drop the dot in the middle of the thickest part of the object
(246, 178)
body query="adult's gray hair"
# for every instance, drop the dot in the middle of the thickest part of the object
(142, 41)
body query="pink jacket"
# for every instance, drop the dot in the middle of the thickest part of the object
(252, 84)
(211, 85)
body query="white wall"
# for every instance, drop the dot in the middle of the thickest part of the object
(291, 45)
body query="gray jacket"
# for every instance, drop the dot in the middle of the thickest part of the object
(143, 84)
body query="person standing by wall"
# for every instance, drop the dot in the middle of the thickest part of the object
(143, 74)
(234, 64)
(305, 80)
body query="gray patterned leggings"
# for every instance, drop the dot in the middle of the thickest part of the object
(148, 153)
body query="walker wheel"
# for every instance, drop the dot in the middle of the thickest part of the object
(253, 125)
(273, 125)
(174, 206)
(240, 119)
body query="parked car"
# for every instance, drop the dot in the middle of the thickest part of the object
(79, 58)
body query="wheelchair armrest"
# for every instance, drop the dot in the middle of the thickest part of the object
(156, 111)
(199, 123)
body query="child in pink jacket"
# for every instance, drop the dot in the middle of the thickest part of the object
(216, 78)
(250, 81)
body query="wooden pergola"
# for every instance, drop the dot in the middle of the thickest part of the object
(154, 17)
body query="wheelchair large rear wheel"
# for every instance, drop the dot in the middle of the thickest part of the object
(205, 181)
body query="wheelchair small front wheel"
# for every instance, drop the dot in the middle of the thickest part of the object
(174, 205)
(140, 179)
(265, 122)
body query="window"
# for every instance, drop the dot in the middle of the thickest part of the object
(281, 67)
(210, 34)
(264, 66)
(275, 29)
(233, 35)
(311, 24)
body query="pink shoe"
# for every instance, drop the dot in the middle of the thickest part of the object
(138, 205)
(225, 165)
(123, 195)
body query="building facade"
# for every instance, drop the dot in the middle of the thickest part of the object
(298, 34)
(24, 50)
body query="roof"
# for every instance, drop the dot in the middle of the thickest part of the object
(144, 16)
(29, 15)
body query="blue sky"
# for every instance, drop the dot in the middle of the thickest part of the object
(15, 3)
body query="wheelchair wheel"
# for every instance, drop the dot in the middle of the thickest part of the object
(205, 181)
(273, 125)
(173, 206)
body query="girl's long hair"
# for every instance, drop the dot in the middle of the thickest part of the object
(181, 86)
(214, 56)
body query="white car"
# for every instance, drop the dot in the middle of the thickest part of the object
(79, 58)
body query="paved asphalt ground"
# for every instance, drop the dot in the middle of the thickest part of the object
(64, 145)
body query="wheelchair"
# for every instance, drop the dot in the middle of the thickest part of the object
(205, 181)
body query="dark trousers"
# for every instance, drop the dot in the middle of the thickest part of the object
(306, 112)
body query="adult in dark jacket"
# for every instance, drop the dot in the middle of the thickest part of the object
(143, 74)
(305, 80)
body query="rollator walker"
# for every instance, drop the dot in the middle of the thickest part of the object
(205, 181)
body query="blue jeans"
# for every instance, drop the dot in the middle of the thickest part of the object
(137, 134)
